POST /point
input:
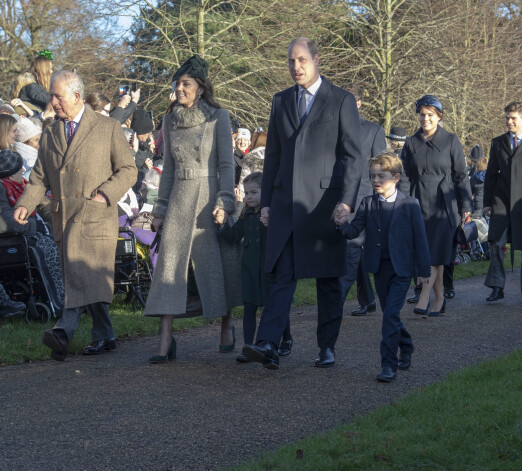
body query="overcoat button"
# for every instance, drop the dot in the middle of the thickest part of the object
(78, 195)
(75, 219)
(76, 169)
(197, 147)
(378, 245)
(62, 197)
(62, 172)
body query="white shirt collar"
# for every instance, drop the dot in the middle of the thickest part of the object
(78, 117)
(512, 135)
(312, 89)
(390, 199)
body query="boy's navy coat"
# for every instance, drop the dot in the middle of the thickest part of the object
(407, 242)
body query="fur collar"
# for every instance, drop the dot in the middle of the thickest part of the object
(194, 116)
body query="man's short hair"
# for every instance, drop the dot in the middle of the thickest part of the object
(514, 107)
(388, 161)
(312, 46)
(72, 81)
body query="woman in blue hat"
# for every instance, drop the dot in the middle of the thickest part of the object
(436, 166)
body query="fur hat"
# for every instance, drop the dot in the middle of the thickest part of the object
(26, 130)
(243, 133)
(10, 163)
(142, 122)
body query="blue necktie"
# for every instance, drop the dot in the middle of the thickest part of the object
(302, 106)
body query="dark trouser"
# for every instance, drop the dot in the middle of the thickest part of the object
(101, 322)
(496, 277)
(275, 316)
(249, 324)
(355, 272)
(392, 289)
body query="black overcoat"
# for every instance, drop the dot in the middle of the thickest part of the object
(439, 180)
(503, 190)
(308, 169)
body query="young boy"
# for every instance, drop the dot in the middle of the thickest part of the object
(396, 249)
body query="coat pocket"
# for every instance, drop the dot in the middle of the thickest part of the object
(98, 221)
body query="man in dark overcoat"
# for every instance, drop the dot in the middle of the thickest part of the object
(503, 198)
(373, 142)
(86, 162)
(311, 176)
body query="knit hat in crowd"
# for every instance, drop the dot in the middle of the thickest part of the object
(195, 66)
(476, 153)
(26, 130)
(142, 122)
(243, 133)
(10, 163)
(397, 133)
(428, 100)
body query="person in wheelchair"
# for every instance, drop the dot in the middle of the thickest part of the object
(37, 235)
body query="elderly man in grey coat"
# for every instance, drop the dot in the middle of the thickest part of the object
(87, 164)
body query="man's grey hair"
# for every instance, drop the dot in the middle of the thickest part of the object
(72, 82)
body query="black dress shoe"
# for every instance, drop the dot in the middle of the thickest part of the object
(59, 348)
(326, 358)
(449, 293)
(264, 353)
(413, 299)
(496, 294)
(404, 361)
(362, 310)
(242, 359)
(99, 346)
(387, 375)
(286, 347)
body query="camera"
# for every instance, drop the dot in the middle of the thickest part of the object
(124, 90)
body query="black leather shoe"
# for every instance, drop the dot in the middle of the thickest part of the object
(264, 353)
(449, 293)
(99, 346)
(413, 299)
(496, 294)
(59, 348)
(286, 347)
(242, 359)
(12, 308)
(326, 358)
(404, 361)
(362, 310)
(387, 375)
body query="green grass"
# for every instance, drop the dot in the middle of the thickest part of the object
(469, 421)
(21, 342)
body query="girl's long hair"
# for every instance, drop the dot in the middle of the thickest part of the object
(41, 67)
(6, 124)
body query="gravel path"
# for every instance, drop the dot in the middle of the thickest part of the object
(205, 411)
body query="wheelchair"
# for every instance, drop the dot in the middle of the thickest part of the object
(132, 274)
(22, 275)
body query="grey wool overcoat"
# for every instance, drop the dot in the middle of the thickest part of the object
(198, 174)
(98, 159)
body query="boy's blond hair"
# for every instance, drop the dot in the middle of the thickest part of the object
(388, 161)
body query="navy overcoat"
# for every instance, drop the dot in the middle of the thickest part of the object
(308, 169)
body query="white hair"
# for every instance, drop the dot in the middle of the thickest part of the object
(72, 82)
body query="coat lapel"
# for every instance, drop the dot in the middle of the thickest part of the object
(87, 123)
(399, 201)
(58, 137)
(291, 106)
(375, 210)
(319, 102)
(506, 142)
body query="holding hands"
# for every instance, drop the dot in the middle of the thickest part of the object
(341, 213)
(264, 216)
(220, 216)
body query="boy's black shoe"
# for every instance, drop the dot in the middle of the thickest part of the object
(387, 375)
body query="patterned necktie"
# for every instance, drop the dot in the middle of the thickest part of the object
(302, 105)
(515, 143)
(70, 132)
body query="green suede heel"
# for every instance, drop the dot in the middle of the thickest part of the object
(229, 348)
(171, 354)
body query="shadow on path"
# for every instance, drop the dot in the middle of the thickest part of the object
(205, 411)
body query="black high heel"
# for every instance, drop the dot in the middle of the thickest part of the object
(229, 348)
(422, 312)
(171, 354)
(438, 313)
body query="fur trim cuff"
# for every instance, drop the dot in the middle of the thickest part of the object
(227, 201)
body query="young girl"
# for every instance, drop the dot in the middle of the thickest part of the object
(255, 282)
